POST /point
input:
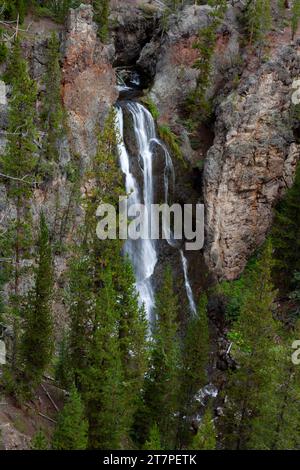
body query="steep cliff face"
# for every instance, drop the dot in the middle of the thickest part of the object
(89, 85)
(170, 59)
(251, 163)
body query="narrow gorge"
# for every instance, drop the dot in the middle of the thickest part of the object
(148, 343)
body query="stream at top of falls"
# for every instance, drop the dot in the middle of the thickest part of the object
(143, 253)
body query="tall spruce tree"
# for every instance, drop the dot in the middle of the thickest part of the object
(37, 340)
(103, 379)
(258, 19)
(206, 438)
(193, 375)
(71, 431)
(18, 167)
(133, 343)
(277, 426)
(101, 15)
(153, 442)
(199, 107)
(108, 330)
(295, 17)
(286, 235)
(162, 385)
(253, 383)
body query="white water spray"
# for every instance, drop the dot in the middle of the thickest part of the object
(143, 253)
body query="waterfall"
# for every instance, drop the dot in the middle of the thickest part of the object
(188, 287)
(143, 253)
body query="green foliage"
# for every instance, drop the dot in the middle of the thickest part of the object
(52, 114)
(147, 101)
(20, 159)
(198, 106)
(103, 381)
(286, 236)
(37, 341)
(295, 17)
(277, 426)
(3, 48)
(13, 8)
(171, 140)
(72, 427)
(162, 384)
(64, 373)
(257, 18)
(39, 441)
(154, 441)
(101, 16)
(56, 9)
(206, 438)
(253, 384)
(18, 164)
(108, 328)
(194, 363)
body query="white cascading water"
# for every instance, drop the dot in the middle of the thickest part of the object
(188, 287)
(143, 253)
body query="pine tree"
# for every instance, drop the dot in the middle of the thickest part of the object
(14, 8)
(286, 235)
(72, 427)
(103, 380)
(295, 17)
(253, 384)
(18, 165)
(37, 341)
(132, 337)
(277, 426)
(101, 15)
(108, 329)
(153, 443)
(205, 439)
(194, 364)
(258, 19)
(39, 441)
(64, 373)
(198, 105)
(161, 395)
(52, 114)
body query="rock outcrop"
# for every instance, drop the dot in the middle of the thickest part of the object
(89, 86)
(172, 63)
(251, 163)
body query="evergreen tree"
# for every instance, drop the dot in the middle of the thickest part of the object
(258, 19)
(205, 439)
(277, 427)
(252, 385)
(37, 341)
(132, 337)
(18, 165)
(101, 15)
(286, 235)
(39, 441)
(153, 443)
(15, 8)
(103, 380)
(52, 110)
(295, 17)
(72, 427)
(194, 363)
(161, 394)
(64, 373)
(108, 330)
(198, 105)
